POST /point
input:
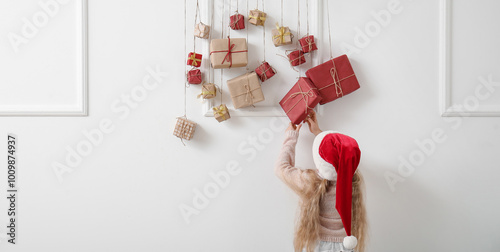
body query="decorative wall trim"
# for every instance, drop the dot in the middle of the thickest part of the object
(82, 74)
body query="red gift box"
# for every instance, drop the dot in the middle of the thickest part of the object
(296, 58)
(265, 71)
(308, 44)
(300, 100)
(334, 79)
(194, 76)
(237, 22)
(194, 59)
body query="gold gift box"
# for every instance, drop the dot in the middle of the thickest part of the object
(208, 91)
(221, 113)
(282, 35)
(257, 17)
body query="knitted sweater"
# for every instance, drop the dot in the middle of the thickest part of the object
(331, 227)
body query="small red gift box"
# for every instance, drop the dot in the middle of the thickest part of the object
(265, 71)
(308, 44)
(237, 22)
(300, 100)
(194, 76)
(334, 78)
(296, 58)
(194, 59)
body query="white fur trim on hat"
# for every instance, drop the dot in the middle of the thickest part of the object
(325, 169)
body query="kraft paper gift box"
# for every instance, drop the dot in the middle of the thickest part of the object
(308, 44)
(281, 36)
(237, 22)
(300, 100)
(208, 91)
(334, 79)
(221, 113)
(194, 59)
(194, 76)
(201, 30)
(296, 58)
(245, 90)
(257, 17)
(184, 128)
(265, 71)
(228, 53)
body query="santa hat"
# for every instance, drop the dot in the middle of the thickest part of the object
(337, 157)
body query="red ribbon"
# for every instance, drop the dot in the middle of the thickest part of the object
(229, 52)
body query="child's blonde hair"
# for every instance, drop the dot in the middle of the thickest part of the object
(307, 228)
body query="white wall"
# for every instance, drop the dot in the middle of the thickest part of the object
(125, 195)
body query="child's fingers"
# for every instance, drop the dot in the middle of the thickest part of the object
(298, 127)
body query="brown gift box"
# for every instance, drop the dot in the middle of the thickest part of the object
(257, 17)
(282, 35)
(228, 53)
(221, 113)
(201, 30)
(208, 91)
(245, 90)
(184, 128)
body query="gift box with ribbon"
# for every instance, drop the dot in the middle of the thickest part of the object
(245, 90)
(194, 76)
(201, 30)
(227, 53)
(265, 71)
(334, 79)
(221, 113)
(308, 44)
(208, 91)
(184, 128)
(194, 59)
(296, 58)
(281, 35)
(257, 17)
(237, 22)
(300, 100)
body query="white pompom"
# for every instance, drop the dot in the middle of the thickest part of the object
(350, 242)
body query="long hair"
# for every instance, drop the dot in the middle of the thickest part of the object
(307, 228)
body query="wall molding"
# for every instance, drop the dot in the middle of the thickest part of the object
(82, 74)
(445, 62)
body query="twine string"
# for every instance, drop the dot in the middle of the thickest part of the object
(329, 29)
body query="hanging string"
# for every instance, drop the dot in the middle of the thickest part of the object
(263, 29)
(298, 30)
(329, 29)
(197, 12)
(222, 37)
(307, 16)
(247, 26)
(210, 39)
(257, 4)
(281, 12)
(185, 53)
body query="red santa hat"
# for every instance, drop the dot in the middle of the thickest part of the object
(337, 157)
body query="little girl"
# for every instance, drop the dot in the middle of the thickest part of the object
(327, 193)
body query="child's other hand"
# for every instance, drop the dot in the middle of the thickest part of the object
(312, 122)
(294, 127)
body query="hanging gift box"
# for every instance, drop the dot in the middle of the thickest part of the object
(221, 113)
(281, 35)
(237, 22)
(227, 53)
(296, 58)
(194, 76)
(201, 30)
(257, 17)
(300, 100)
(245, 90)
(265, 71)
(208, 91)
(194, 59)
(334, 79)
(308, 44)
(184, 128)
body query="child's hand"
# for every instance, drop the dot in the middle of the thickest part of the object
(294, 127)
(312, 122)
